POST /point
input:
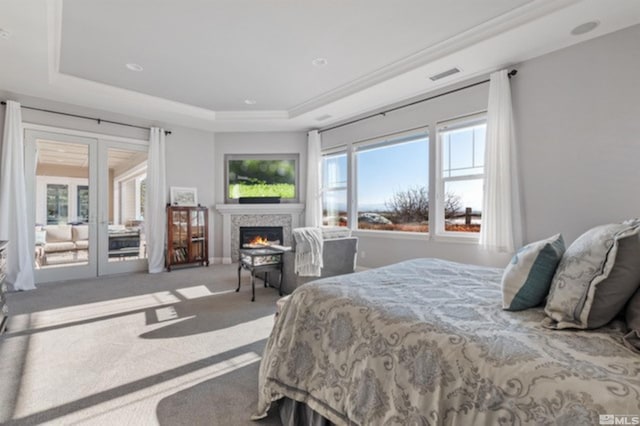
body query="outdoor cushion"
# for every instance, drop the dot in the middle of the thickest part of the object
(57, 233)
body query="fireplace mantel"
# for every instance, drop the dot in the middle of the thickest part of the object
(253, 212)
(283, 208)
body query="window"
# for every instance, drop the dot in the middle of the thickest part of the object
(384, 184)
(334, 189)
(392, 184)
(141, 192)
(83, 203)
(262, 176)
(57, 204)
(461, 185)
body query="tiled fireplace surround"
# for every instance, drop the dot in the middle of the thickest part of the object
(236, 215)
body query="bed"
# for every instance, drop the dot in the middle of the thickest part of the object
(426, 342)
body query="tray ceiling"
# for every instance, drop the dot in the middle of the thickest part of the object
(217, 54)
(202, 59)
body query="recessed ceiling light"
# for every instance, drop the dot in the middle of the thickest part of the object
(4, 34)
(319, 62)
(250, 101)
(585, 28)
(134, 67)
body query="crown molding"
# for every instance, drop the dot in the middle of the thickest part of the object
(490, 28)
(54, 37)
(133, 98)
(493, 27)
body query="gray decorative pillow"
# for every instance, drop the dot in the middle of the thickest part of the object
(527, 278)
(632, 316)
(597, 275)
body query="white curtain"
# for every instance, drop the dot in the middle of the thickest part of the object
(501, 215)
(155, 212)
(14, 226)
(313, 208)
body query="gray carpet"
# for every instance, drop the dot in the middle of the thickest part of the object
(178, 348)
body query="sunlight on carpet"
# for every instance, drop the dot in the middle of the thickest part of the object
(125, 403)
(136, 350)
(44, 355)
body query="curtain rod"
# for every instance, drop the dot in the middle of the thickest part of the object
(98, 120)
(383, 113)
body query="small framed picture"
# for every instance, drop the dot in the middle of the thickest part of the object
(184, 196)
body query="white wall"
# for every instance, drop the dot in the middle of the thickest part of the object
(578, 117)
(577, 113)
(190, 163)
(377, 249)
(255, 143)
(190, 152)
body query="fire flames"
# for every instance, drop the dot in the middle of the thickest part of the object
(259, 240)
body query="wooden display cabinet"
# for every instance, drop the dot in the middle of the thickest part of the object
(187, 236)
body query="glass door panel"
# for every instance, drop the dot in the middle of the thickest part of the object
(123, 180)
(63, 204)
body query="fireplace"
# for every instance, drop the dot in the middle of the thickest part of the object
(235, 216)
(257, 236)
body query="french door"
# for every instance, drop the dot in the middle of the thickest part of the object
(86, 205)
(122, 174)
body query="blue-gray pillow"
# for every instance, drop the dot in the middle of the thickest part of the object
(527, 278)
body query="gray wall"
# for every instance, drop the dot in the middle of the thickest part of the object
(577, 113)
(193, 159)
(578, 125)
(255, 143)
(376, 249)
(189, 152)
(578, 117)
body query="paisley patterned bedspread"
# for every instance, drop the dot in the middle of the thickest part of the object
(425, 342)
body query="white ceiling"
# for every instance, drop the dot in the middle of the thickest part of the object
(77, 155)
(216, 54)
(203, 58)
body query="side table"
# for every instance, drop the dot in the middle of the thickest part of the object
(257, 260)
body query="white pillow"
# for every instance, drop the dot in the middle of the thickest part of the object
(596, 277)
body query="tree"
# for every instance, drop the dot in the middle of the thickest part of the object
(452, 204)
(412, 205)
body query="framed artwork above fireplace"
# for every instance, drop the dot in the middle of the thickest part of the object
(271, 177)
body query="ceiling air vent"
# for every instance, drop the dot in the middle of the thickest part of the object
(323, 117)
(444, 74)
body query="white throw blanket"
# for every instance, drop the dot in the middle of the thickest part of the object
(309, 242)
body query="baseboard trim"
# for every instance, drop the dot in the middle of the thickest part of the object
(226, 261)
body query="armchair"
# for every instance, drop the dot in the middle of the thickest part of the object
(338, 257)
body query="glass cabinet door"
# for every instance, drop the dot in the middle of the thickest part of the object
(197, 234)
(180, 236)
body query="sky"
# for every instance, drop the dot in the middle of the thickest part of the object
(385, 170)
